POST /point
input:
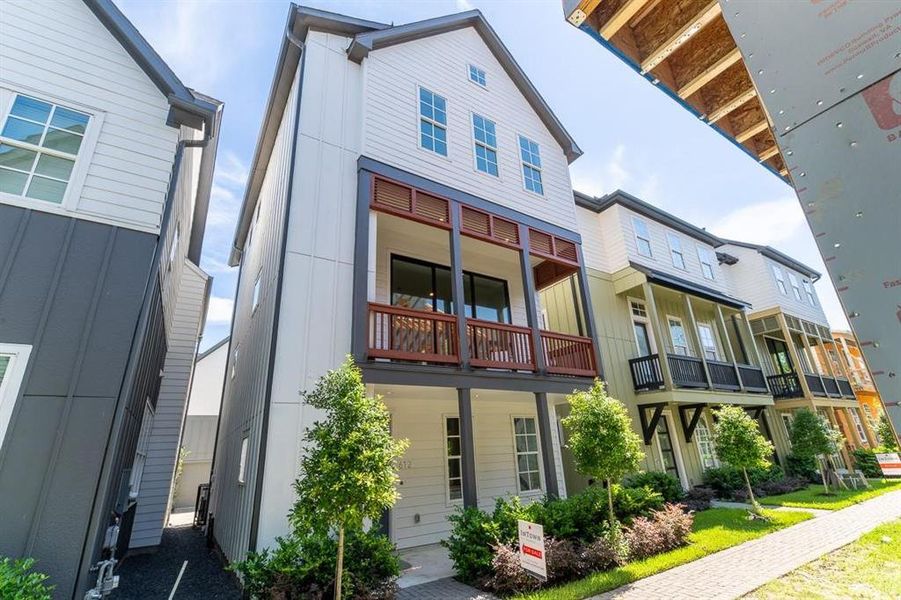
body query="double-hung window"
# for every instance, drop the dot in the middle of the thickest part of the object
(432, 122)
(704, 440)
(780, 280)
(796, 288)
(708, 341)
(677, 335)
(477, 75)
(485, 135)
(256, 292)
(642, 237)
(454, 456)
(39, 144)
(13, 360)
(137, 467)
(706, 258)
(531, 165)
(528, 473)
(242, 461)
(808, 289)
(675, 249)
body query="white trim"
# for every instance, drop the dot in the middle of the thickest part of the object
(706, 257)
(672, 342)
(672, 237)
(12, 382)
(142, 449)
(716, 461)
(469, 66)
(257, 292)
(523, 163)
(538, 453)
(779, 276)
(666, 415)
(472, 134)
(713, 337)
(420, 117)
(637, 237)
(646, 321)
(448, 501)
(242, 458)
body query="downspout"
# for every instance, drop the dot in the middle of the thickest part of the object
(98, 519)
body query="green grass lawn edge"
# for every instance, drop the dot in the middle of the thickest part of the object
(813, 497)
(714, 530)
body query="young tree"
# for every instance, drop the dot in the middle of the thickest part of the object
(885, 433)
(347, 473)
(601, 438)
(812, 437)
(738, 443)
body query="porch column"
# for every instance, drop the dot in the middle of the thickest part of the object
(693, 326)
(360, 317)
(547, 445)
(467, 448)
(729, 353)
(828, 362)
(456, 256)
(793, 352)
(850, 427)
(843, 450)
(813, 365)
(591, 329)
(658, 335)
(755, 352)
(528, 283)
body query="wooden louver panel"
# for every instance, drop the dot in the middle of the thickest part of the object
(476, 223)
(505, 231)
(541, 243)
(550, 246)
(431, 207)
(566, 250)
(411, 203)
(392, 195)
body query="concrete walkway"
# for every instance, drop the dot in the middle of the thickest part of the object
(742, 569)
(817, 512)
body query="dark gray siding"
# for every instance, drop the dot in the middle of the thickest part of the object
(73, 290)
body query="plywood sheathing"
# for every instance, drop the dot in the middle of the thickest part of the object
(696, 55)
(664, 21)
(734, 83)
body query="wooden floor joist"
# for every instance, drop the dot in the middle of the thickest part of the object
(768, 153)
(709, 74)
(737, 101)
(621, 17)
(746, 134)
(685, 33)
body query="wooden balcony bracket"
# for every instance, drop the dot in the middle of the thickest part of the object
(689, 416)
(649, 426)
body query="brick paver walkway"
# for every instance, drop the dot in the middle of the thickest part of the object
(443, 589)
(742, 569)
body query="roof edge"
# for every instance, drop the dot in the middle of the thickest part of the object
(778, 257)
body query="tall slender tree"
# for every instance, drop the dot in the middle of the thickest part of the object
(347, 473)
(738, 443)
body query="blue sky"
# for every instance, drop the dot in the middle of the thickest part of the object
(633, 136)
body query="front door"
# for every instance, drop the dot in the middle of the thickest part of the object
(780, 356)
(667, 447)
(642, 338)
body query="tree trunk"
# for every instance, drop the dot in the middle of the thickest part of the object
(340, 569)
(823, 475)
(750, 491)
(610, 502)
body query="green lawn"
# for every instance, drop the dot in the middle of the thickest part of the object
(867, 568)
(813, 497)
(714, 530)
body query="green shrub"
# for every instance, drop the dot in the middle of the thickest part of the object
(804, 467)
(629, 503)
(663, 483)
(301, 567)
(865, 460)
(473, 534)
(726, 480)
(19, 582)
(666, 529)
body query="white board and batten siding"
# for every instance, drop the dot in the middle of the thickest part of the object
(440, 64)
(60, 52)
(752, 280)
(244, 394)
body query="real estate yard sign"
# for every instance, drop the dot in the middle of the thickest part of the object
(889, 463)
(531, 549)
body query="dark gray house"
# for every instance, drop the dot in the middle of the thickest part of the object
(106, 162)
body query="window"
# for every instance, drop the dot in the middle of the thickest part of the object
(640, 328)
(526, 447)
(858, 424)
(242, 461)
(39, 144)
(706, 258)
(234, 363)
(796, 289)
(675, 248)
(483, 131)
(708, 341)
(642, 237)
(531, 165)
(173, 248)
(477, 75)
(808, 289)
(137, 467)
(432, 122)
(704, 440)
(638, 309)
(677, 335)
(787, 422)
(13, 360)
(425, 286)
(454, 455)
(256, 292)
(780, 280)
(667, 448)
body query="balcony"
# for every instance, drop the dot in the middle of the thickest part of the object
(845, 388)
(688, 372)
(416, 336)
(785, 385)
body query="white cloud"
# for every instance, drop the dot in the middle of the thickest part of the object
(770, 222)
(231, 170)
(219, 310)
(463, 5)
(612, 174)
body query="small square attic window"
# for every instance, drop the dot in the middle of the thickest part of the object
(477, 75)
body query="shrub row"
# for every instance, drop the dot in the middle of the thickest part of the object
(728, 482)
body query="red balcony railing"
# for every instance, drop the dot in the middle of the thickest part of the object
(568, 354)
(415, 335)
(500, 346)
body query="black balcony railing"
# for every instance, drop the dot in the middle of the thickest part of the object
(687, 371)
(815, 384)
(723, 375)
(844, 386)
(831, 386)
(646, 373)
(785, 385)
(752, 378)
